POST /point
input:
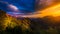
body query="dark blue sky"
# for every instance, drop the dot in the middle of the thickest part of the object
(24, 6)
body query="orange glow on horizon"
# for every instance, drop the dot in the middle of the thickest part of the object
(53, 11)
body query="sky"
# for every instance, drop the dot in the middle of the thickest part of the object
(26, 8)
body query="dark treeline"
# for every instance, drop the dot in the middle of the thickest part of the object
(45, 25)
